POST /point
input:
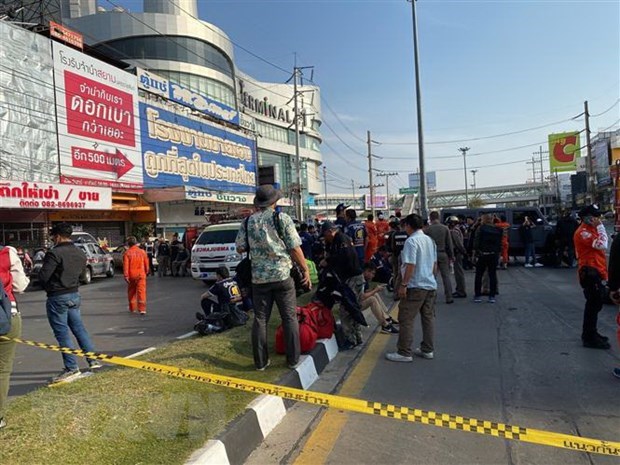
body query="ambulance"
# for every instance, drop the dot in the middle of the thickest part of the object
(215, 247)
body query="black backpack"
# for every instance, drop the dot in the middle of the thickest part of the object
(5, 313)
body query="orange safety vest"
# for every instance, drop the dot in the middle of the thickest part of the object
(584, 238)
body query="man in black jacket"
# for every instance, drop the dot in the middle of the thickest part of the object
(614, 283)
(60, 275)
(487, 246)
(343, 261)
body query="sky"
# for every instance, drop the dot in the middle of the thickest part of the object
(487, 68)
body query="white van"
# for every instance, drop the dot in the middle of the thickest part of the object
(215, 247)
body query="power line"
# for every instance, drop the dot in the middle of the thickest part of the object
(609, 109)
(342, 140)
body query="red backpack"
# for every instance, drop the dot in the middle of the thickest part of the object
(323, 318)
(307, 332)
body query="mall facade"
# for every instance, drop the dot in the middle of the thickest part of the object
(203, 133)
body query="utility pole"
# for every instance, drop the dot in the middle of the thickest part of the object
(464, 151)
(592, 183)
(325, 186)
(370, 184)
(387, 187)
(473, 172)
(299, 209)
(423, 193)
(353, 189)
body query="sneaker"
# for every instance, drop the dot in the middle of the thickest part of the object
(3, 423)
(615, 372)
(391, 321)
(477, 299)
(66, 375)
(292, 366)
(597, 344)
(491, 300)
(529, 265)
(264, 367)
(396, 357)
(142, 313)
(538, 265)
(95, 365)
(458, 295)
(389, 329)
(420, 353)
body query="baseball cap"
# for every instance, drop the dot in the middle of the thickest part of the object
(327, 226)
(341, 206)
(590, 210)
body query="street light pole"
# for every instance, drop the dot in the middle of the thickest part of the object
(464, 150)
(423, 192)
(473, 172)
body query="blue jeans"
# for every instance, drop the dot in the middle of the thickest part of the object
(530, 252)
(63, 313)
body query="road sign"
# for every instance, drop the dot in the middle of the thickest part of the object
(407, 190)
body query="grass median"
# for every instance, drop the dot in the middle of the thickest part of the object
(128, 416)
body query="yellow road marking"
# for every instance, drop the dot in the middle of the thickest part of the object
(321, 442)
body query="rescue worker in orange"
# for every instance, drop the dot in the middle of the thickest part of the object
(591, 246)
(383, 228)
(135, 270)
(505, 227)
(371, 234)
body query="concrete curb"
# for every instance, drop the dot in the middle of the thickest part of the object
(264, 413)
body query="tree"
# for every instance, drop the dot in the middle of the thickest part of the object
(476, 202)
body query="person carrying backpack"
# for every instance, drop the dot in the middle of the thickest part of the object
(14, 281)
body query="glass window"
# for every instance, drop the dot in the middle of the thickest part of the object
(183, 49)
(203, 85)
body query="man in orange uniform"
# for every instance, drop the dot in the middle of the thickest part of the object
(591, 245)
(383, 228)
(135, 270)
(371, 234)
(505, 227)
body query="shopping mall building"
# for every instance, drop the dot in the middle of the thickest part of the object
(203, 133)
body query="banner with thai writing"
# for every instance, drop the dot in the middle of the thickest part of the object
(564, 150)
(33, 195)
(185, 151)
(151, 82)
(98, 130)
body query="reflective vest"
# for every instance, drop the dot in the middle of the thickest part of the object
(584, 238)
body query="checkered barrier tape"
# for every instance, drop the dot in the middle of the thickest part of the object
(442, 420)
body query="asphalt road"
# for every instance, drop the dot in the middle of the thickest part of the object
(519, 361)
(171, 305)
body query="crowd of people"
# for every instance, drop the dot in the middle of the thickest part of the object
(404, 255)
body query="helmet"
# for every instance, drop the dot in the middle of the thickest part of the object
(453, 219)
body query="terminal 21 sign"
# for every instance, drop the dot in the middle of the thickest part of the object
(184, 151)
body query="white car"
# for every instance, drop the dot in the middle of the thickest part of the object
(215, 247)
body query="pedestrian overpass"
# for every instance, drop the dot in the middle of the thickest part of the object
(506, 195)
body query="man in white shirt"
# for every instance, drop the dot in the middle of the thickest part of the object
(417, 292)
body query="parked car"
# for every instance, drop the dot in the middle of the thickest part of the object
(79, 237)
(98, 262)
(215, 247)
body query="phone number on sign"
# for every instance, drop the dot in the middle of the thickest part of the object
(55, 204)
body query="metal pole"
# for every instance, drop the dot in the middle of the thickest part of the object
(423, 193)
(464, 151)
(298, 193)
(473, 172)
(372, 187)
(353, 188)
(592, 184)
(542, 170)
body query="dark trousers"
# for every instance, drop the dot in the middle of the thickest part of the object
(486, 263)
(264, 295)
(593, 289)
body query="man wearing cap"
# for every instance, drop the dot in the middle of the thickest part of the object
(342, 260)
(591, 245)
(341, 220)
(272, 247)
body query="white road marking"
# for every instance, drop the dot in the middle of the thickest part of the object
(142, 352)
(188, 335)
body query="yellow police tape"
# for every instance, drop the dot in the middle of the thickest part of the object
(443, 420)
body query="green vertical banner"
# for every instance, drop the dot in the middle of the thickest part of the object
(564, 150)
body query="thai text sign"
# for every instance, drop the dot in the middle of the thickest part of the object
(54, 196)
(98, 136)
(183, 151)
(155, 84)
(205, 195)
(70, 37)
(564, 150)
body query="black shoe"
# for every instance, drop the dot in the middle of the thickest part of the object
(596, 344)
(602, 338)
(458, 295)
(449, 301)
(389, 329)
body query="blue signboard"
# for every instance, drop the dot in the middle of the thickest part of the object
(180, 151)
